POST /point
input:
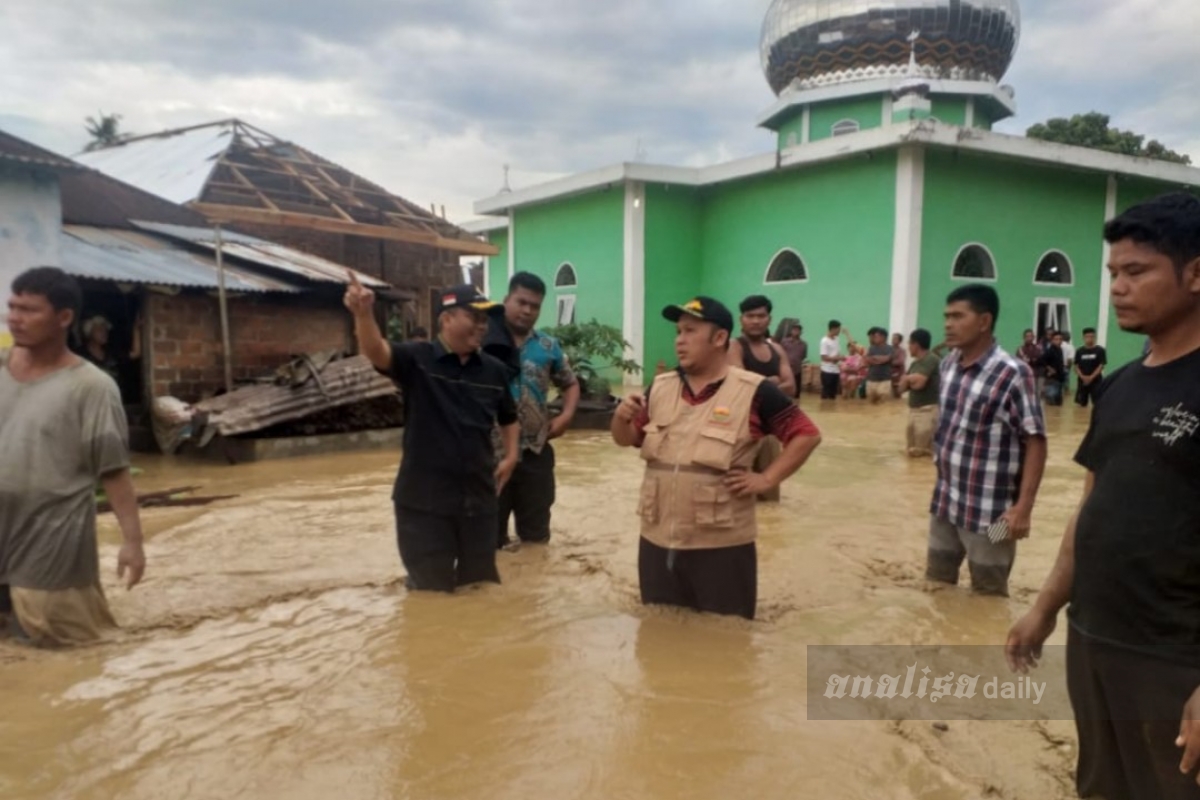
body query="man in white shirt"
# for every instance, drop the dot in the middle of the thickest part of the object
(1068, 350)
(831, 359)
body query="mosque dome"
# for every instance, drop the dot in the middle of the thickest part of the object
(812, 43)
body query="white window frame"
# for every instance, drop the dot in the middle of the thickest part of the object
(1062, 303)
(845, 127)
(995, 266)
(767, 275)
(1070, 269)
(574, 275)
(567, 302)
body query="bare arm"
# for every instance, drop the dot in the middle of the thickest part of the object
(915, 381)
(1056, 591)
(734, 356)
(131, 561)
(787, 376)
(570, 397)
(1033, 465)
(792, 458)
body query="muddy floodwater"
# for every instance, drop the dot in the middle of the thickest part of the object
(272, 652)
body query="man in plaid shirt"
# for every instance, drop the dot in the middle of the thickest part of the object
(990, 449)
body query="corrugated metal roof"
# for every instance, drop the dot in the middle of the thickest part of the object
(132, 257)
(19, 151)
(264, 253)
(173, 165)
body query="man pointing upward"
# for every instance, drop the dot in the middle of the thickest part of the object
(445, 494)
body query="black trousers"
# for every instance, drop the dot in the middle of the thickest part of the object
(1127, 711)
(1085, 393)
(444, 551)
(528, 497)
(831, 384)
(721, 580)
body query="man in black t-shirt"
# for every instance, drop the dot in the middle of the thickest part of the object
(1054, 370)
(445, 497)
(1090, 361)
(1129, 564)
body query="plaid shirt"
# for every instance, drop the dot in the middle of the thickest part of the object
(987, 410)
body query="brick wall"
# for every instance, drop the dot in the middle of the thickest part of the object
(185, 337)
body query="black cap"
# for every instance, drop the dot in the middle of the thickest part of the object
(702, 308)
(467, 296)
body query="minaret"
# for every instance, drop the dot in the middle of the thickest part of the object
(910, 100)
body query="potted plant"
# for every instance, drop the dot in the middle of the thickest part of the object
(592, 347)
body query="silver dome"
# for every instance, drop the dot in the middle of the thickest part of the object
(810, 43)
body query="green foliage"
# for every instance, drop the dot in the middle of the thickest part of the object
(105, 131)
(591, 347)
(1092, 130)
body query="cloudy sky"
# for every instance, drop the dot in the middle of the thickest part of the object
(431, 98)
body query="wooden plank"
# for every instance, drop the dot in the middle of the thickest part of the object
(291, 219)
(266, 200)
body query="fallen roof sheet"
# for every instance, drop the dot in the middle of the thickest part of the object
(174, 165)
(263, 253)
(132, 257)
(341, 382)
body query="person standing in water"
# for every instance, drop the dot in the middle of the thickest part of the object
(921, 383)
(62, 432)
(529, 495)
(445, 497)
(698, 428)
(754, 352)
(1128, 568)
(990, 449)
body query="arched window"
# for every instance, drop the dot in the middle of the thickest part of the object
(974, 262)
(565, 277)
(845, 126)
(787, 267)
(1055, 269)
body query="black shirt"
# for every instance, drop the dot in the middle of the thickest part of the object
(750, 362)
(1137, 542)
(449, 409)
(1053, 364)
(1090, 359)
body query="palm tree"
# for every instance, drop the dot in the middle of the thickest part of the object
(104, 131)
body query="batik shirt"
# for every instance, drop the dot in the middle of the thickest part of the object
(543, 364)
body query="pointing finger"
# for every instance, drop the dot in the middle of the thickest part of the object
(353, 278)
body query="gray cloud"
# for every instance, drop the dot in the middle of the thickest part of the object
(431, 98)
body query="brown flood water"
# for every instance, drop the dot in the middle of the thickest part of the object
(271, 652)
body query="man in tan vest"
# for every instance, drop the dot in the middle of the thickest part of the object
(699, 429)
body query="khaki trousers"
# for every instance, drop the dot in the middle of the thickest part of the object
(922, 424)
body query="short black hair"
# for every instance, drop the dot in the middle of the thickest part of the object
(1169, 224)
(1028, 331)
(419, 333)
(982, 300)
(527, 280)
(58, 287)
(921, 338)
(755, 302)
(833, 323)
(1086, 331)
(877, 329)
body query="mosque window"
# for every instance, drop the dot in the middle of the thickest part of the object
(1055, 269)
(565, 277)
(975, 262)
(845, 126)
(787, 267)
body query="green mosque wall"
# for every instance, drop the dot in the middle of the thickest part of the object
(497, 265)
(866, 111)
(1019, 212)
(674, 221)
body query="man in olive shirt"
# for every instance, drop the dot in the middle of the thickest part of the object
(921, 383)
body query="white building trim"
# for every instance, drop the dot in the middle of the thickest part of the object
(907, 240)
(806, 125)
(634, 316)
(969, 119)
(888, 104)
(991, 256)
(927, 132)
(767, 273)
(512, 244)
(484, 225)
(1102, 319)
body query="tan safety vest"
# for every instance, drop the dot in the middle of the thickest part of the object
(684, 505)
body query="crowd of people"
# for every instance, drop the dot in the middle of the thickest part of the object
(717, 435)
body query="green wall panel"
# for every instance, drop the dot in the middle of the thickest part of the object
(838, 217)
(497, 265)
(587, 232)
(868, 111)
(1019, 212)
(950, 110)
(674, 220)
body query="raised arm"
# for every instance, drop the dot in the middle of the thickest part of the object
(361, 303)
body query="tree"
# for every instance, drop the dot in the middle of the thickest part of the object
(591, 347)
(105, 131)
(1092, 130)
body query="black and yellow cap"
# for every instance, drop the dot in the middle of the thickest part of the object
(702, 308)
(467, 296)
